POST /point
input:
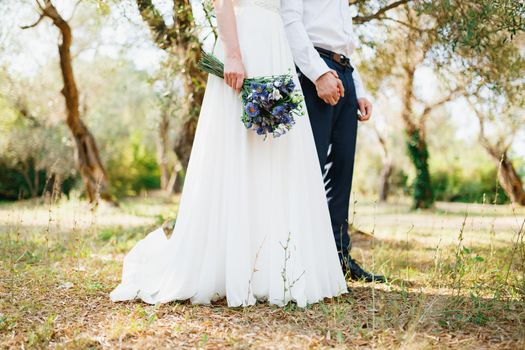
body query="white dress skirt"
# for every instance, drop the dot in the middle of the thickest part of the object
(253, 222)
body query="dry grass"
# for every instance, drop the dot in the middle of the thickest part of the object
(457, 281)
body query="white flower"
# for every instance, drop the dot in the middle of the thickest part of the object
(276, 95)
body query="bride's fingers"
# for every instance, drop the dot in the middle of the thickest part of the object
(228, 79)
(234, 80)
(231, 80)
(239, 82)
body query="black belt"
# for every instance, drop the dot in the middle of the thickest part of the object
(340, 59)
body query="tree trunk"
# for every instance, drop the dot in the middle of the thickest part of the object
(511, 182)
(56, 191)
(163, 146)
(176, 179)
(181, 40)
(194, 86)
(26, 173)
(422, 192)
(384, 181)
(36, 180)
(90, 166)
(508, 177)
(388, 168)
(418, 150)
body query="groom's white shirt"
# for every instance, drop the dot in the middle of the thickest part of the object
(321, 23)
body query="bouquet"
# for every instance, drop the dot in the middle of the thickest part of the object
(270, 104)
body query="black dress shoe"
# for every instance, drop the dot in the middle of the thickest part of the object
(356, 272)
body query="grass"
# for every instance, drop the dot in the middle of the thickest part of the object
(456, 281)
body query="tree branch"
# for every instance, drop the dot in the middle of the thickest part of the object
(40, 5)
(35, 23)
(429, 108)
(383, 143)
(163, 36)
(74, 10)
(379, 14)
(483, 139)
(414, 28)
(208, 16)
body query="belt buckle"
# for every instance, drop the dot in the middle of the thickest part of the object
(344, 60)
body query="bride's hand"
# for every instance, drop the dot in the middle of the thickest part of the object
(234, 72)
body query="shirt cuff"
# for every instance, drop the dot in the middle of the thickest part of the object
(360, 91)
(316, 70)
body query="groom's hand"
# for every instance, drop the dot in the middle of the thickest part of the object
(365, 107)
(330, 88)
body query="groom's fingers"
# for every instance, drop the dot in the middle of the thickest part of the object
(365, 107)
(362, 109)
(341, 87)
(332, 100)
(328, 100)
(335, 98)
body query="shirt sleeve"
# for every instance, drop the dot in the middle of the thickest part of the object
(305, 55)
(360, 90)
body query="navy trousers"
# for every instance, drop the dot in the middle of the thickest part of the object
(335, 133)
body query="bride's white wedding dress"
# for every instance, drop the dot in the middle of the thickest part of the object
(253, 223)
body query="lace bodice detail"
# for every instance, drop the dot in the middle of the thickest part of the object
(272, 5)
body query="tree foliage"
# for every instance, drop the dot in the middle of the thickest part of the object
(473, 50)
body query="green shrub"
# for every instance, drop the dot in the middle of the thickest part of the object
(399, 182)
(133, 169)
(14, 182)
(455, 185)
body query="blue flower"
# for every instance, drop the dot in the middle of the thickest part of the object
(287, 87)
(260, 131)
(285, 119)
(278, 111)
(258, 88)
(252, 109)
(261, 97)
(290, 86)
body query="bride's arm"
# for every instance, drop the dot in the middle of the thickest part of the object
(234, 72)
